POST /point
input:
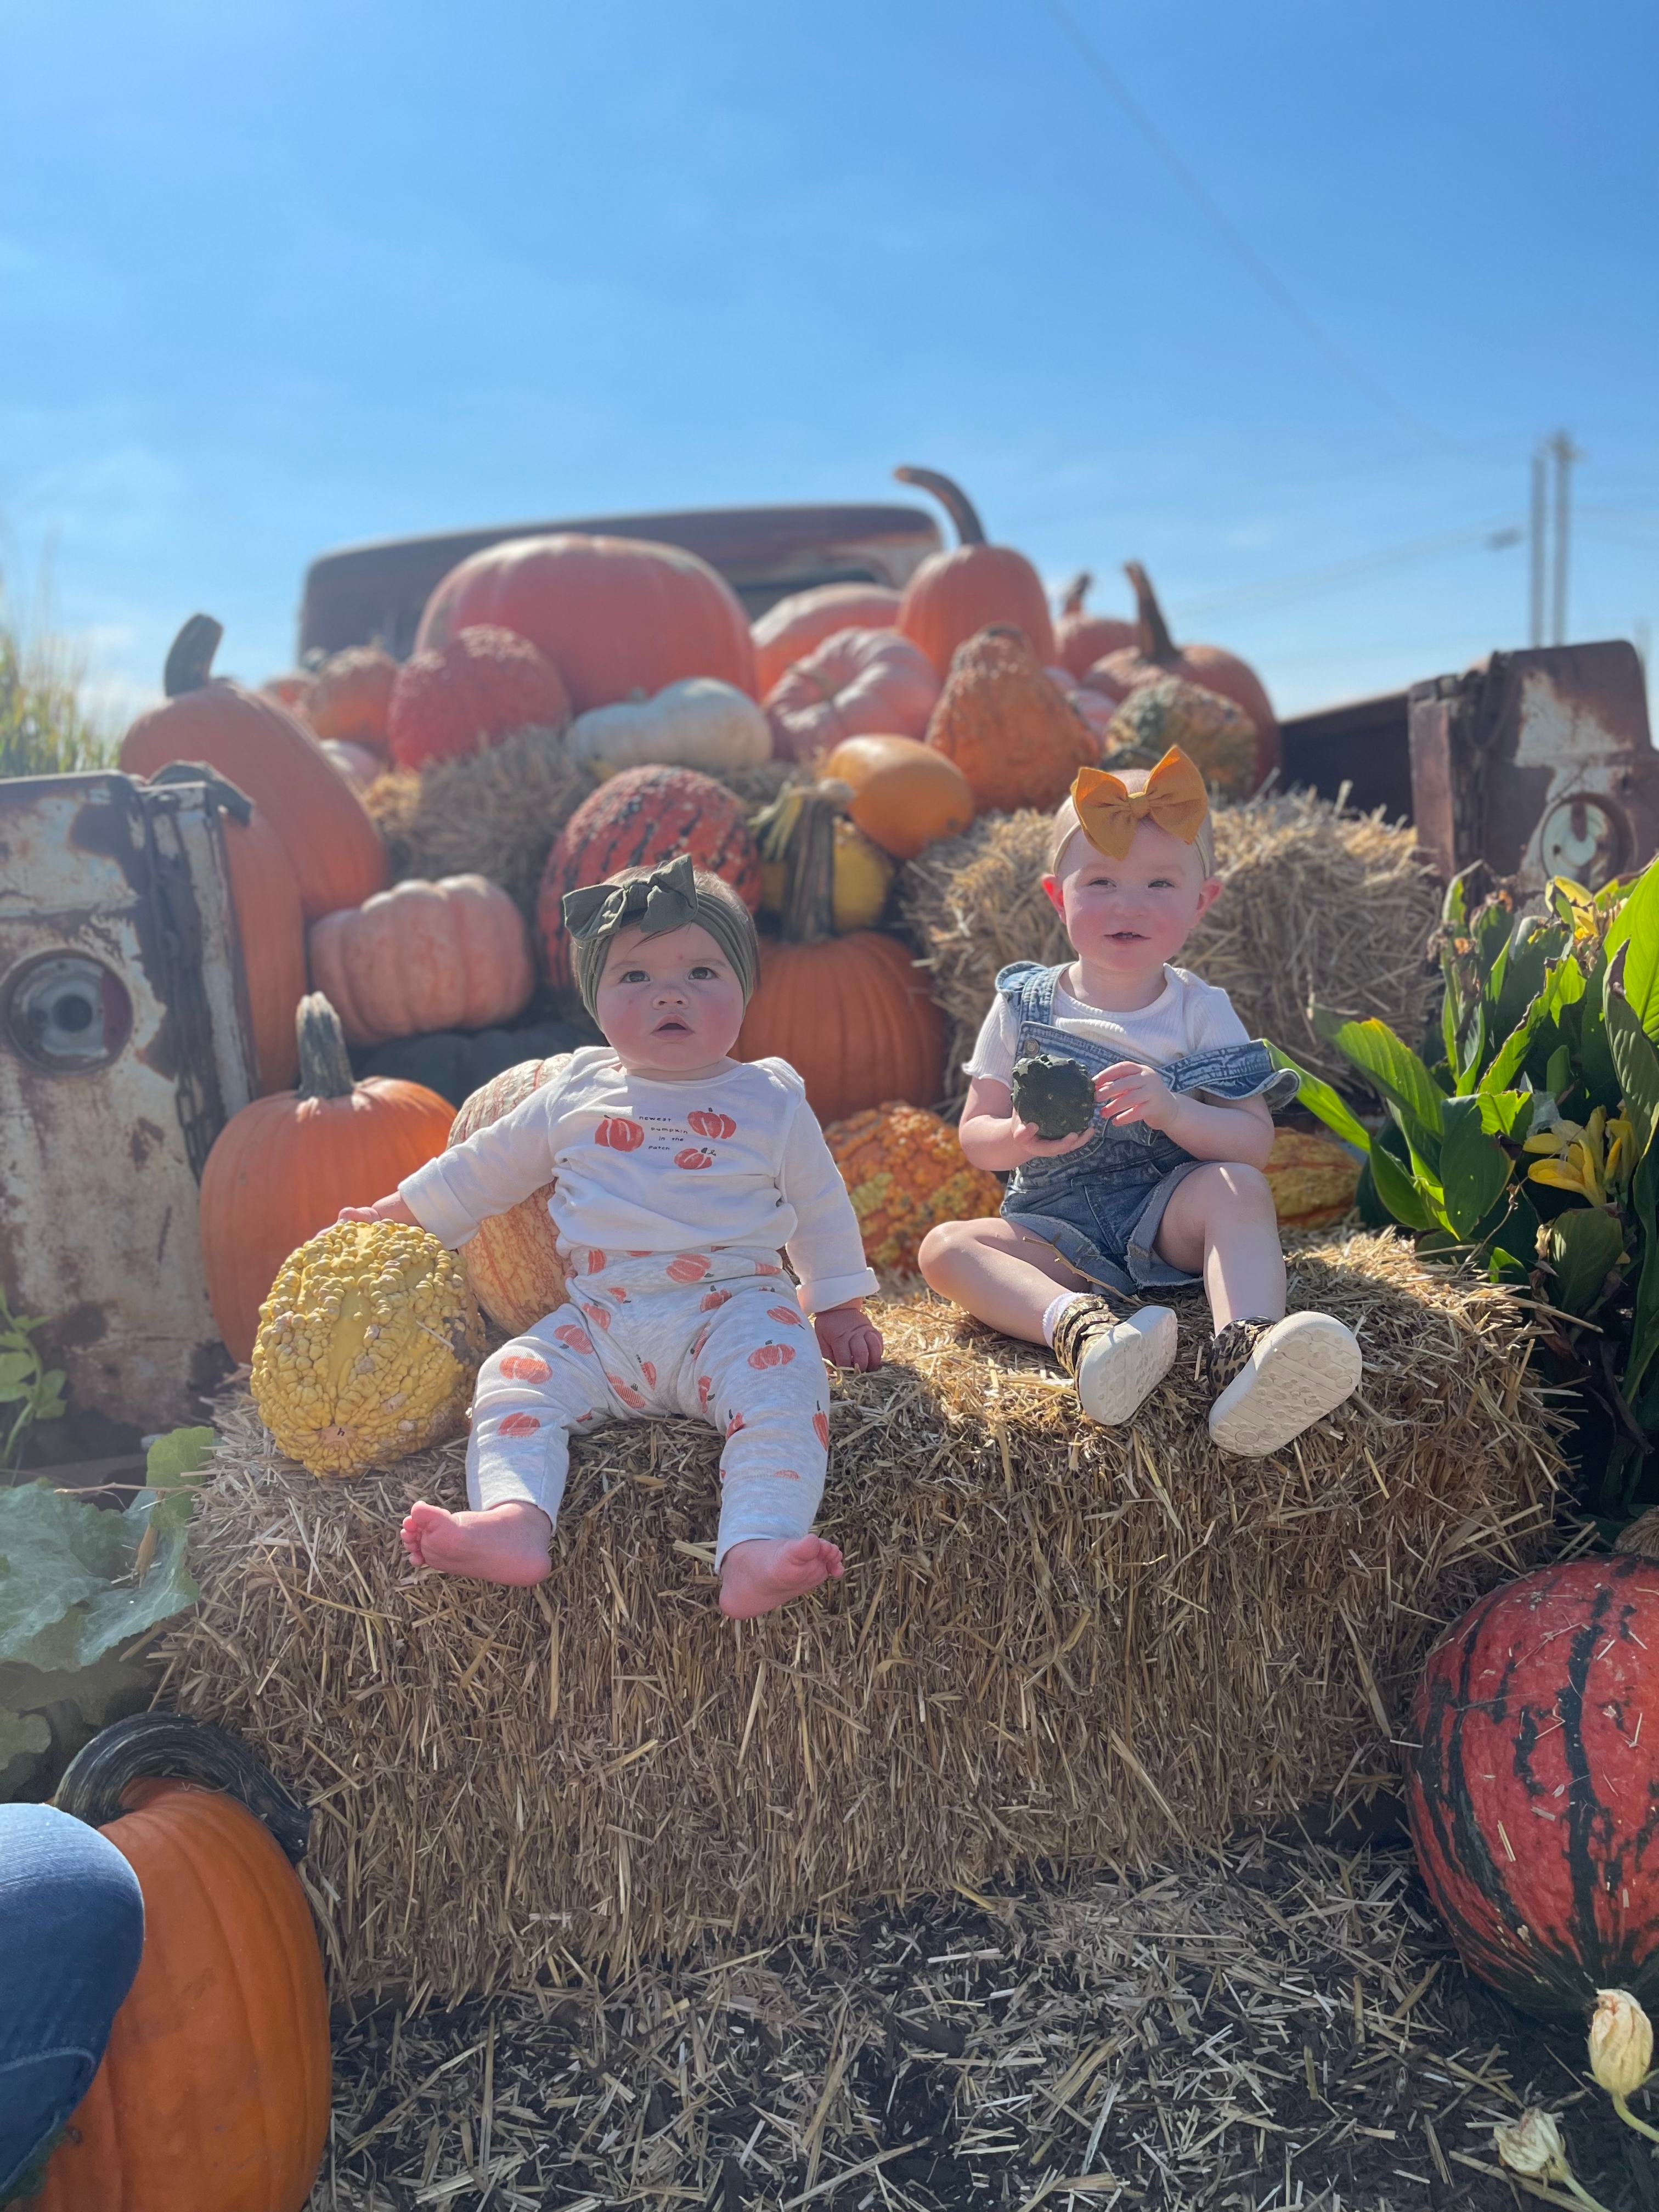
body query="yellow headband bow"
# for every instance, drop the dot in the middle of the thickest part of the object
(1175, 798)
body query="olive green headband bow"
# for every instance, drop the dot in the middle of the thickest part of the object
(668, 898)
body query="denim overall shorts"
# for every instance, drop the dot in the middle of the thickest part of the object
(1101, 1205)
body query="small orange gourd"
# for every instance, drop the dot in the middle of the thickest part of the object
(1008, 726)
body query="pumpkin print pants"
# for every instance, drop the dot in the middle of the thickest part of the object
(717, 1334)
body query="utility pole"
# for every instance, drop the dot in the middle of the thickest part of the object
(1535, 610)
(1564, 453)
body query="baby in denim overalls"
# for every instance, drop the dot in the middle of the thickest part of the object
(1165, 1187)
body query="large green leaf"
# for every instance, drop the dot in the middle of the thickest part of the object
(1474, 1169)
(1506, 1113)
(1319, 1098)
(1512, 1055)
(1635, 932)
(1583, 1244)
(1398, 1191)
(1392, 1066)
(1633, 1055)
(1644, 1327)
(70, 1586)
(1533, 945)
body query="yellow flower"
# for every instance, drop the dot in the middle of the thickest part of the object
(1622, 1146)
(1556, 1139)
(1621, 2042)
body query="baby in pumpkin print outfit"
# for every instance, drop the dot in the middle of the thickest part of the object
(680, 1178)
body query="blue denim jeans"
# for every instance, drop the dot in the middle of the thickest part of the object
(72, 1928)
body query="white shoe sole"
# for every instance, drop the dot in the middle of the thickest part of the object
(1122, 1366)
(1301, 1370)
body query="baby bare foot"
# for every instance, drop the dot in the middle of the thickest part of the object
(504, 1544)
(767, 1571)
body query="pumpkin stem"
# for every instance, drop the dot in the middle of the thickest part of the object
(224, 794)
(148, 1746)
(970, 530)
(190, 662)
(1075, 592)
(324, 1063)
(1156, 642)
(799, 831)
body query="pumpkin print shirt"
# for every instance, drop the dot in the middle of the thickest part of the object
(639, 1166)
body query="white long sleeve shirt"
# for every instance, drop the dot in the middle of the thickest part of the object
(641, 1166)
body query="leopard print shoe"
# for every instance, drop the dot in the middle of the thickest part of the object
(1272, 1379)
(1116, 1355)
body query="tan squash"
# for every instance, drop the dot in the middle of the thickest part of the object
(452, 955)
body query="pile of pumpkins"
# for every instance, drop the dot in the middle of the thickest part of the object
(915, 712)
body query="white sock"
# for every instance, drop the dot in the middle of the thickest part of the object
(1053, 1310)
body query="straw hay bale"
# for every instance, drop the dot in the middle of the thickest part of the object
(1319, 904)
(1055, 1644)
(493, 813)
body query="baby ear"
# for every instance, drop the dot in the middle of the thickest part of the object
(1051, 886)
(1208, 892)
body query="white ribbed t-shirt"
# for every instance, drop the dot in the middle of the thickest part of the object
(1187, 1015)
(639, 1166)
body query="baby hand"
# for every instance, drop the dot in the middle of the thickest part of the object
(1128, 1092)
(848, 1337)
(1028, 1145)
(384, 1209)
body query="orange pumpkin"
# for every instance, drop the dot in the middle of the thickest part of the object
(796, 626)
(852, 1014)
(512, 1262)
(857, 681)
(349, 699)
(1210, 666)
(269, 927)
(452, 955)
(905, 795)
(213, 2095)
(1081, 638)
(332, 844)
(1007, 725)
(613, 615)
(282, 1169)
(954, 595)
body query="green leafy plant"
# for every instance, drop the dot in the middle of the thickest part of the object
(30, 1391)
(1527, 1142)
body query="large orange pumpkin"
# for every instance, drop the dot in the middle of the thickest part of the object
(852, 1014)
(953, 594)
(613, 615)
(332, 846)
(452, 955)
(858, 681)
(269, 925)
(282, 1169)
(1156, 653)
(512, 1262)
(796, 626)
(213, 2095)
(1081, 638)
(905, 795)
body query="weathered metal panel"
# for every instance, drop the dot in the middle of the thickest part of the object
(1540, 763)
(125, 1046)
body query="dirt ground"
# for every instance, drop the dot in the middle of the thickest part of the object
(1282, 2027)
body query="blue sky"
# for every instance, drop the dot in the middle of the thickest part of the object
(279, 276)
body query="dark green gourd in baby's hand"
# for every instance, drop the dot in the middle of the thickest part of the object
(1056, 1095)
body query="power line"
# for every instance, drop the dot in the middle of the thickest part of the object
(1267, 278)
(1494, 534)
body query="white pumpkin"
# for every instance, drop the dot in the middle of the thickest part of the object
(356, 763)
(699, 722)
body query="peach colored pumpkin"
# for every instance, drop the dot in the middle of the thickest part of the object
(789, 631)
(1081, 638)
(859, 682)
(512, 1262)
(452, 955)
(1095, 709)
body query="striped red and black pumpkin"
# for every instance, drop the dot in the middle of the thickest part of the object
(636, 820)
(1533, 1795)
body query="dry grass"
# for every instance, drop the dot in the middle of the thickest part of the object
(1267, 2028)
(1055, 1644)
(1318, 904)
(494, 813)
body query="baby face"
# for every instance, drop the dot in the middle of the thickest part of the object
(669, 1004)
(1127, 917)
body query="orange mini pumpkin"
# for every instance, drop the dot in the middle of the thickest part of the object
(332, 846)
(213, 2095)
(349, 699)
(452, 955)
(954, 595)
(281, 1169)
(905, 795)
(513, 1263)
